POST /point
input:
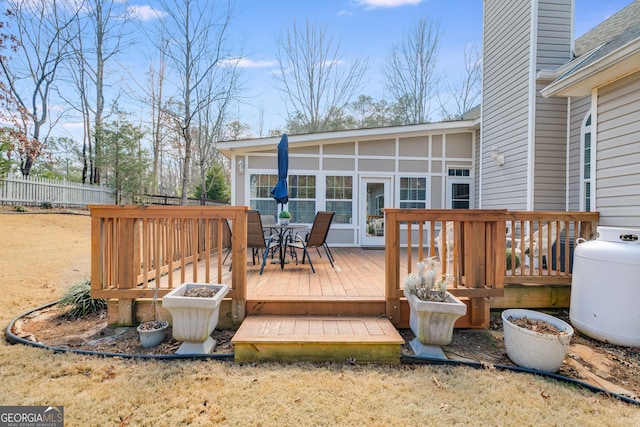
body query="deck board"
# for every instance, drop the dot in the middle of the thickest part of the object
(315, 338)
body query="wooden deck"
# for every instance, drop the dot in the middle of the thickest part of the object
(355, 287)
(309, 338)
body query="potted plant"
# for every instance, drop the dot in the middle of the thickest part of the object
(509, 256)
(195, 308)
(434, 310)
(535, 340)
(152, 332)
(285, 217)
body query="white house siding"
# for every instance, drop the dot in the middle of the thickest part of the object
(505, 114)
(550, 154)
(554, 33)
(579, 108)
(618, 153)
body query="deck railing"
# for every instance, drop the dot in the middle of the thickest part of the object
(136, 251)
(543, 244)
(472, 247)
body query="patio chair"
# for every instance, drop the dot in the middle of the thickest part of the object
(267, 222)
(448, 230)
(524, 246)
(256, 239)
(314, 239)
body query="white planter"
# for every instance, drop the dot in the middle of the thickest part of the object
(152, 337)
(534, 350)
(194, 318)
(432, 322)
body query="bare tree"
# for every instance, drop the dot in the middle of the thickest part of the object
(464, 93)
(410, 71)
(100, 36)
(156, 82)
(313, 77)
(197, 50)
(41, 48)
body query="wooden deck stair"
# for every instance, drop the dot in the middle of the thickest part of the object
(317, 338)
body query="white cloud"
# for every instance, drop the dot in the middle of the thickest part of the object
(145, 12)
(247, 63)
(375, 4)
(344, 13)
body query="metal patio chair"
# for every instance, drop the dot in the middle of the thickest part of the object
(314, 239)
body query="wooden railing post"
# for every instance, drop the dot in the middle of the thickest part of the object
(238, 267)
(128, 254)
(392, 266)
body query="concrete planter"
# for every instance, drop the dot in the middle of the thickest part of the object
(535, 350)
(432, 322)
(194, 318)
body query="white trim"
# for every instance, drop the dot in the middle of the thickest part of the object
(614, 66)
(531, 134)
(594, 149)
(583, 132)
(567, 170)
(572, 29)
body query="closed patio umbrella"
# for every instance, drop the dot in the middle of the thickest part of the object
(280, 192)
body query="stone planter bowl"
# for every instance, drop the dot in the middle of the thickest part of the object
(535, 350)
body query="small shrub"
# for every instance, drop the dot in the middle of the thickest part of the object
(508, 260)
(79, 297)
(46, 205)
(20, 209)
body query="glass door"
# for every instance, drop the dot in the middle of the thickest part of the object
(374, 195)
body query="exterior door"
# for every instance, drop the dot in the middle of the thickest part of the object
(374, 195)
(459, 193)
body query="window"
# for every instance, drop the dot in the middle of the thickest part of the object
(260, 193)
(459, 184)
(302, 198)
(458, 172)
(339, 198)
(586, 157)
(413, 192)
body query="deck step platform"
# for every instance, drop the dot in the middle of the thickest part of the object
(317, 339)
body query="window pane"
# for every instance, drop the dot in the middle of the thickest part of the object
(339, 195)
(302, 195)
(260, 193)
(302, 211)
(343, 212)
(266, 207)
(460, 196)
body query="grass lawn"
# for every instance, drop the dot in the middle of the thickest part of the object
(43, 254)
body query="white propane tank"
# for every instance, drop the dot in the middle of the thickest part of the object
(605, 288)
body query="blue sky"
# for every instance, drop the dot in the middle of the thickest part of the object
(365, 28)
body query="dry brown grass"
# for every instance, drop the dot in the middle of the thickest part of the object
(41, 255)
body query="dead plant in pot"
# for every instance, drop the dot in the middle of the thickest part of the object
(434, 310)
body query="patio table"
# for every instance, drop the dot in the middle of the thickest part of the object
(283, 231)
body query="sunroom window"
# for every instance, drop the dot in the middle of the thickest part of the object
(339, 197)
(413, 192)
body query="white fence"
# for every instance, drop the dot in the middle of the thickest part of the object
(18, 190)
